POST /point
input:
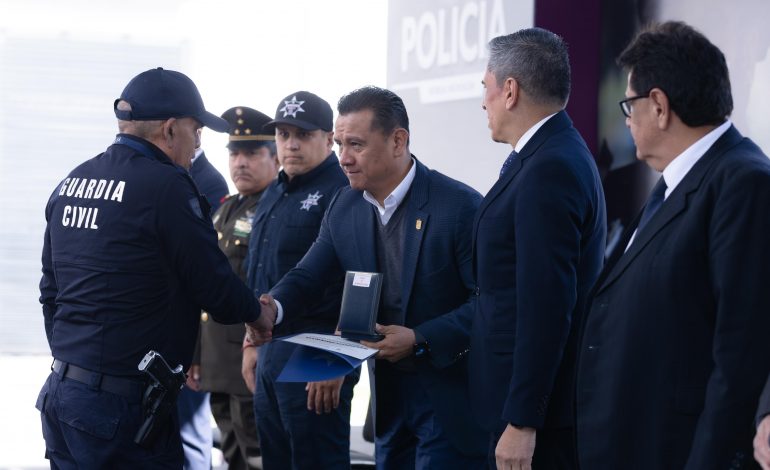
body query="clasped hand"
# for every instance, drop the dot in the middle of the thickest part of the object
(260, 331)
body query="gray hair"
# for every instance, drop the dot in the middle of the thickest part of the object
(144, 129)
(537, 59)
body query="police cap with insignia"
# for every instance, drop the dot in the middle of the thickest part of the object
(304, 110)
(246, 128)
(159, 94)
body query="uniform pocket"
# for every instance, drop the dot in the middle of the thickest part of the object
(90, 411)
(41, 397)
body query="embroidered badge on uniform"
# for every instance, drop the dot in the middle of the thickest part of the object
(310, 201)
(195, 205)
(292, 107)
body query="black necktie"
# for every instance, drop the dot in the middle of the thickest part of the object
(507, 163)
(653, 203)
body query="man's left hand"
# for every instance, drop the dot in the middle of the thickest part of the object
(515, 448)
(397, 344)
(324, 396)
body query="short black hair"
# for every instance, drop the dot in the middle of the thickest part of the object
(388, 108)
(537, 59)
(686, 66)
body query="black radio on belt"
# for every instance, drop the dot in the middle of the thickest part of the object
(159, 397)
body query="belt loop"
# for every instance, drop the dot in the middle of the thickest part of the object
(63, 369)
(96, 380)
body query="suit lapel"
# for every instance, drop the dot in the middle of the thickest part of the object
(415, 224)
(557, 123)
(674, 205)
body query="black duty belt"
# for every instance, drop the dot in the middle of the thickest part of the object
(125, 387)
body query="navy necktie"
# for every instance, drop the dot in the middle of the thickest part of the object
(653, 203)
(507, 163)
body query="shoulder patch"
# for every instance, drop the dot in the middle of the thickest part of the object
(195, 205)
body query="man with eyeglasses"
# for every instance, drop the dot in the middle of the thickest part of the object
(673, 351)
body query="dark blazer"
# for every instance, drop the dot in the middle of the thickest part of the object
(436, 283)
(674, 350)
(538, 247)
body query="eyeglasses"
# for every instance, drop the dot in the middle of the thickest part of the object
(626, 107)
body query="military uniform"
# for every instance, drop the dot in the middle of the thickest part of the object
(233, 225)
(220, 345)
(220, 358)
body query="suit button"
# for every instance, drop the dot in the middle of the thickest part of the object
(478, 291)
(592, 347)
(204, 316)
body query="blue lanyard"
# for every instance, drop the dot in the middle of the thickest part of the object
(138, 146)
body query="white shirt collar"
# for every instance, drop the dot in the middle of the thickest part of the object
(675, 172)
(395, 198)
(530, 132)
(198, 153)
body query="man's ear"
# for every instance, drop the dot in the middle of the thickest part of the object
(660, 107)
(167, 130)
(511, 92)
(400, 139)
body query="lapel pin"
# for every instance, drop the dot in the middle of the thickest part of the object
(418, 224)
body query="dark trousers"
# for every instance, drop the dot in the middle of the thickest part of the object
(554, 449)
(234, 415)
(85, 427)
(408, 435)
(290, 436)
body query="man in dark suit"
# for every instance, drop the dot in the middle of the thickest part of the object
(253, 166)
(412, 225)
(538, 245)
(673, 352)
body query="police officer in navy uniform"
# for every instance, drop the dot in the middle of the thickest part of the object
(253, 166)
(129, 259)
(296, 428)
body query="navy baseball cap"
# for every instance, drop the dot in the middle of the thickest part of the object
(304, 110)
(159, 94)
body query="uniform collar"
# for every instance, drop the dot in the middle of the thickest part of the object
(299, 180)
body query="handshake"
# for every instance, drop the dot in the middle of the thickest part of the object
(260, 331)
